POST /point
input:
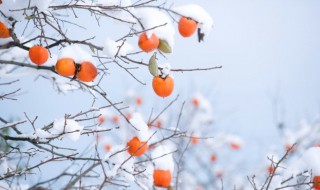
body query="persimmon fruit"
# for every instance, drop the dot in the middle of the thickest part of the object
(38, 55)
(4, 31)
(101, 119)
(235, 146)
(137, 147)
(158, 124)
(88, 72)
(163, 87)
(138, 101)
(187, 26)
(107, 147)
(66, 67)
(162, 178)
(148, 44)
(316, 182)
(195, 140)
(289, 148)
(115, 119)
(195, 102)
(213, 158)
(271, 169)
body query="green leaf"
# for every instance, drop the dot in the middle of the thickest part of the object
(164, 46)
(153, 66)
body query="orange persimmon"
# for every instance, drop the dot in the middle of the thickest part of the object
(148, 44)
(88, 72)
(316, 182)
(195, 140)
(271, 169)
(163, 87)
(138, 101)
(38, 55)
(162, 178)
(66, 67)
(187, 26)
(235, 146)
(101, 119)
(213, 158)
(137, 147)
(107, 147)
(4, 31)
(195, 102)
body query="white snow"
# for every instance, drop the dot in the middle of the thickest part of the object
(42, 5)
(142, 131)
(116, 158)
(70, 126)
(162, 158)
(9, 5)
(42, 134)
(4, 167)
(122, 3)
(311, 159)
(234, 139)
(151, 18)
(106, 113)
(111, 48)
(76, 53)
(197, 13)
(166, 68)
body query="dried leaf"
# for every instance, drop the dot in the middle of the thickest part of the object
(170, 188)
(164, 46)
(153, 66)
(28, 17)
(91, 48)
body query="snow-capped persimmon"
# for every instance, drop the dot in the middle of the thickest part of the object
(38, 55)
(162, 178)
(137, 147)
(4, 31)
(66, 67)
(148, 44)
(316, 182)
(163, 87)
(187, 26)
(88, 72)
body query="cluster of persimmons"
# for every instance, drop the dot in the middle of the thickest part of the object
(87, 72)
(84, 71)
(163, 87)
